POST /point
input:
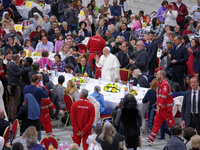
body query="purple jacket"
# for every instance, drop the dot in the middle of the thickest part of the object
(160, 12)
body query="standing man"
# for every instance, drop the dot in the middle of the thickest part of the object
(141, 61)
(13, 87)
(195, 11)
(110, 66)
(151, 49)
(164, 106)
(179, 57)
(95, 46)
(191, 106)
(182, 12)
(82, 117)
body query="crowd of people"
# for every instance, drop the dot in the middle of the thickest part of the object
(112, 39)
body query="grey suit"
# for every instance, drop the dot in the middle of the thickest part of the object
(192, 121)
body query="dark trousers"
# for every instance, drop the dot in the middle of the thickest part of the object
(178, 77)
(195, 123)
(164, 129)
(151, 74)
(181, 24)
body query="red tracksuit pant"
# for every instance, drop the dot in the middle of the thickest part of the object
(91, 57)
(158, 120)
(46, 122)
(77, 140)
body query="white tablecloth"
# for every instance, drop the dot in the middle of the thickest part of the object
(25, 10)
(111, 99)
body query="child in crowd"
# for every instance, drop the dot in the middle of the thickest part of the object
(22, 57)
(45, 60)
(69, 68)
(27, 46)
(74, 146)
(59, 42)
(93, 145)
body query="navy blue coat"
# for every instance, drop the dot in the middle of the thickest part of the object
(196, 63)
(175, 143)
(124, 59)
(152, 53)
(181, 56)
(126, 34)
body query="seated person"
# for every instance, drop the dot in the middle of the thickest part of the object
(187, 82)
(38, 18)
(187, 134)
(31, 143)
(6, 21)
(124, 32)
(100, 98)
(82, 67)
(176, 90)
(45, 60)
(109, 36)
(27, 46)
(3, 123)
(72, 90)
(138, 78)
(69, 68)
(13, 44)
(188, 30)
(143, 17)
(59, 42)
(58, 63)
(44, 45)
(102, 26)
(82, 33)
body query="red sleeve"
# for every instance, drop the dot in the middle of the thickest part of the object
(163, 95)
(48, 103)
(88, 44)
(90, 122)
(185, 11)
(73, 118)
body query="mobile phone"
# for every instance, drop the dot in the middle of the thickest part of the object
(41, 83)
(122, 99)
(86, 16)
(15, 38)
(169, 6)
(188, 45)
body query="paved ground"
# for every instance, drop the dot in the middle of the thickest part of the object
(65, 134)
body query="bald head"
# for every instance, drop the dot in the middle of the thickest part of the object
(2, 113)
(136, 73)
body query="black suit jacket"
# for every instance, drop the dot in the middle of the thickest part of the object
(186, 107)
(141, 61)
(126, 34)
(152, 53)
(181, 56)
(124, 59)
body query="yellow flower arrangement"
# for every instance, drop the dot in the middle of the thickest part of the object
(112, 88)
(36, 53)
(134, 92)
(78, 79)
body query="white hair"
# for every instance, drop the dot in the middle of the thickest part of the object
(108, 48)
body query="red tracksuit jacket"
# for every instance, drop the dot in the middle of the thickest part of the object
(164, 95)
(82, 115)
(96, 44)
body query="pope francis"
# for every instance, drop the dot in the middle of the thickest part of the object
(110, 66)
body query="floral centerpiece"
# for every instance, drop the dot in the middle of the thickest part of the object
(36, 53)
(77, 79)
(112, 88)
(134, 92)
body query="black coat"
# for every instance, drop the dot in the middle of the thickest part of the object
(15, 12)
(181, 56)
(15, 49)
(124, 59)
(141, 61)
(3, 126)
(22, 115)
(196, 63)
(141, 81)
(130, 123)
(70, 60)
(152, 53)
(45, 76)
(33, 10)
(87, 68)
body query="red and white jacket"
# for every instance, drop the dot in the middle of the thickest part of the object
(164, 95)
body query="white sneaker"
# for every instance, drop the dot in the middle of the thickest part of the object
(148, 141)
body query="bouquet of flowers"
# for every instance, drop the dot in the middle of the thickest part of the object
(79, 80)
(36, 53)
(134, 92)
(112, 88)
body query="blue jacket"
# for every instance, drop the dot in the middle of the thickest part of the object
(175, 143)
(115, 12)
(126, 34)
(6, 3)
(38, 147)
(101, 101)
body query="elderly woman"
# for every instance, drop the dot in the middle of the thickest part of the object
(72, 90)
(31, 27)
(46, 25)
(82, 67)
(64, 29)
(87, 19)
(29, 132)
(37, 17)
(58, 63)
(6, 21)
(100, 98)
(109, 138)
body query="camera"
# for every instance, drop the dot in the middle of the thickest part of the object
(118, 43)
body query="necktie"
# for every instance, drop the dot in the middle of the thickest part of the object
(194, 103)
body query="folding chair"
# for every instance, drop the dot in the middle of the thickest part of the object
(124, 74)
(6, 134)
(31, 35)
(15, 128)
(19, 33)
(49, 139)
(97, 74)
(106, 118)
(82, 48)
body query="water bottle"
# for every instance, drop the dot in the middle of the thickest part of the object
(66, 147)
(138, 87)
(50, 147)
(61, 146)
(45, 67)
(99, 80)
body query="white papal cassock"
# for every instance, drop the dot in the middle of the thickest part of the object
(110, 67)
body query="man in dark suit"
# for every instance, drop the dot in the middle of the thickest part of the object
(179, 57)
(3, 122)
(191, 106)
(124, 32)
(124, 56)
(151, 49)
(141, 61)
(138, 78)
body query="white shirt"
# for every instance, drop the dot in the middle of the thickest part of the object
(178, 5)
(178, 46)
(197, 97)
(170, 18)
